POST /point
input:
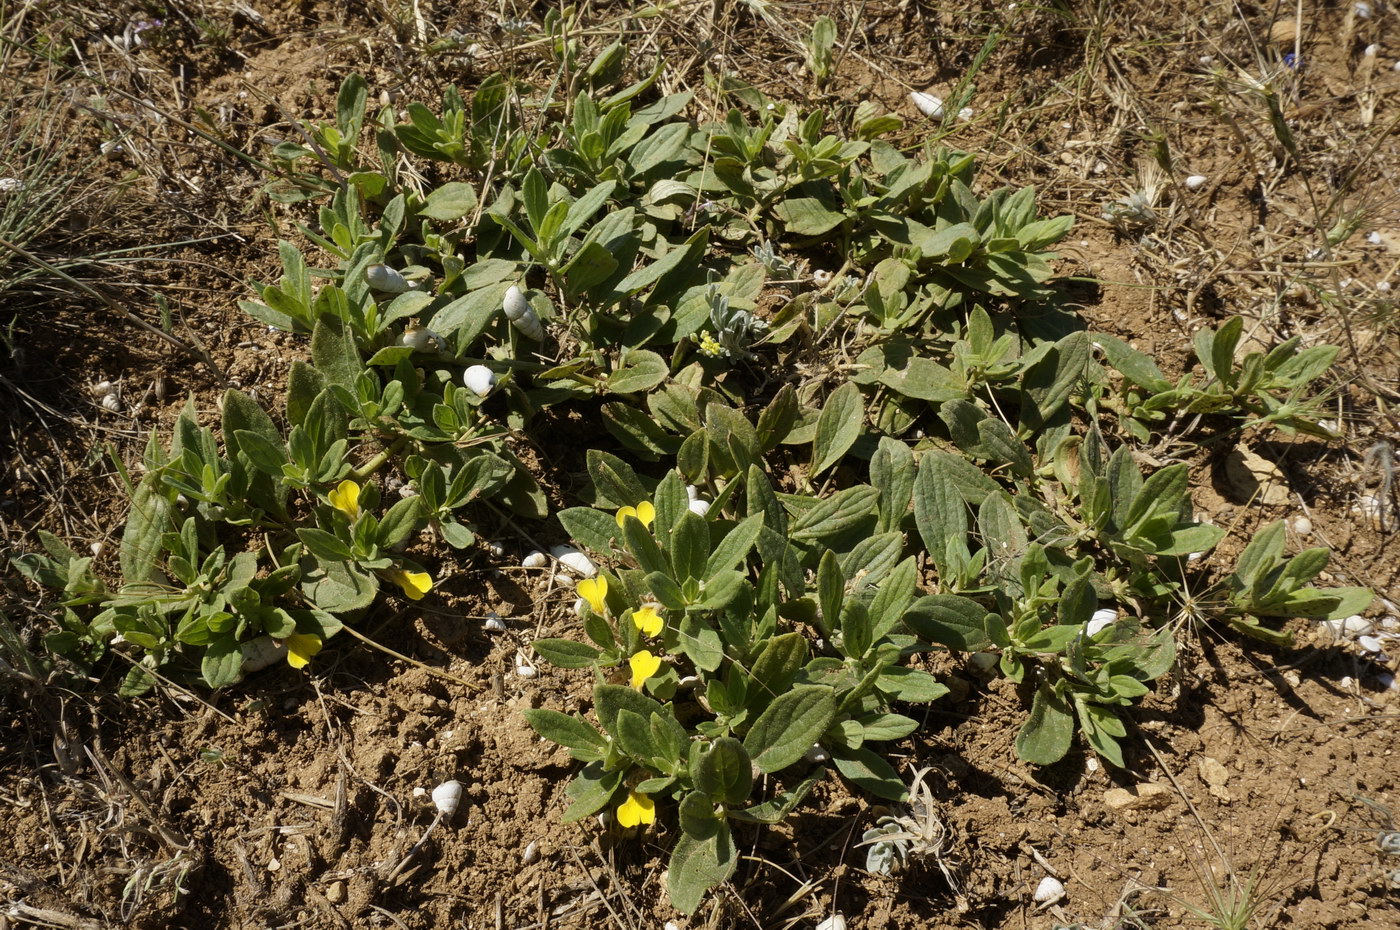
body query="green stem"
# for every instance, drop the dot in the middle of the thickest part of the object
(376, 463)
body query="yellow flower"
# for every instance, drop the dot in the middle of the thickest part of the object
(414, 584)
(594, 590)
(648, 620)
(346, 498)
(636, 810)
(643, 511)
(301, 647)
(644, 665)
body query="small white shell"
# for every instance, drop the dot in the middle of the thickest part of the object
(821, 277)
(447, 796)
(1049, 890)
(1302, 526)
(419, 340)
(1346, 627)
(1195, 182)
(1101, 620)
(1369, 643)
(531, 853)
(1374, 238)
(262, 653)
(479, 380)
(536, 559)
(574, 561)
(1370, 50)
(927, 104)
(691, 492)
(965, 114)
(419, 791)
(383, 278)
(580, 607)
(112, 402)
(816, 754)
(521, 315)
(96, 548)
(524, 669)
(10, 185)
(496, 549)
(834, 922)
(1362, 10)
(700, 506)
(103, 388)
(495, 624)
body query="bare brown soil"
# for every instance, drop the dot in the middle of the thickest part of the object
(299, 800)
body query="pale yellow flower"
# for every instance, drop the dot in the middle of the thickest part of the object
(594, 591)
(301, 647)
(346, 498)
(648, 620)
(636, 810)
(414, 584)
(643, 511)
(644, 665)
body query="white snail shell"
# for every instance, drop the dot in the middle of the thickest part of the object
(1049, 890)
(419, 340)
(261, 653)
(927, 104)
(1101, 620)
(383, 278)
(112, 402)
(447, 796)
(479, 380)
(574, 561)
(699, 506)
(1195, 182)
(535, 559)
(521, 315)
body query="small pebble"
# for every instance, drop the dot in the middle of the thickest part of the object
(531, 853)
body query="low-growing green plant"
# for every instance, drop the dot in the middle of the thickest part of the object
(735, 686)
(1266, 388)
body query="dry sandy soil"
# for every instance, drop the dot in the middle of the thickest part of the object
(1255, 773)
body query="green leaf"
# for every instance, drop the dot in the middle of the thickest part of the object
(222, 662)
(724, 772)
(697, 866)
(616, 481)
(325, 546)
(450, 202)
(589, 528)
(141, 540)
(787, 729)
(838, 513)
(951, 620)
(609, 700)
(334, 353)
(871, 773)
(565, 653)
(700, 643)
(592, 790)
(569, 732)
(402, 520)
(1046, 735)
(778, 663)
(838, 427)
(892, 471)
(735, 547)
(690, 547)
(643, 371)
(910, 684)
